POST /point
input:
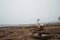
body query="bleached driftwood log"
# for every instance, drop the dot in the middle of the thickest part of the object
(38, 24)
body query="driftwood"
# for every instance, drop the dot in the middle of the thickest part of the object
(27, 33)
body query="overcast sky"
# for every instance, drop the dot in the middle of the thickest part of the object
(27, 11)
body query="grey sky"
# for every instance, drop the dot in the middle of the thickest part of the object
(27, 11)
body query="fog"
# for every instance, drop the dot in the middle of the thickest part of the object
(28, 11)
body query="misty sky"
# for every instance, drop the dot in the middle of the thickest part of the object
(27, 11)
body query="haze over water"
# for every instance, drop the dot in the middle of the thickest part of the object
(27, 11)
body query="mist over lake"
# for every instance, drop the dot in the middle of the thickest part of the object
(28, 11)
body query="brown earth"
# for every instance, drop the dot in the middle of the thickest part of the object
(25, 33)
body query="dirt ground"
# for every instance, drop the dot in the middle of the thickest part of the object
(25, 33)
